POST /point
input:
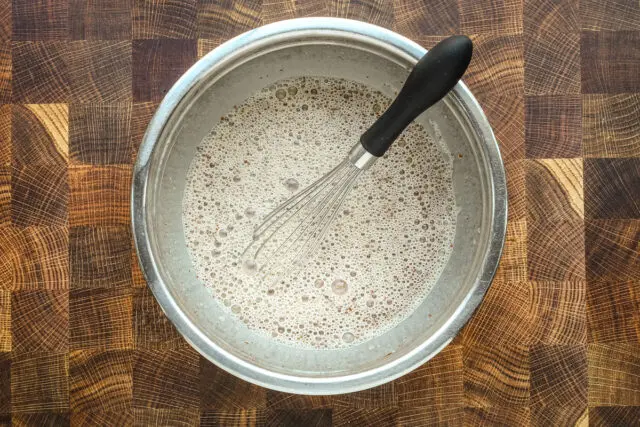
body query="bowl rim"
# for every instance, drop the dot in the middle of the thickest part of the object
(242, 368)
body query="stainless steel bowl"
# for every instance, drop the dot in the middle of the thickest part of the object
(342, 48)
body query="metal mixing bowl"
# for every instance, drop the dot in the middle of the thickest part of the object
(381, 59)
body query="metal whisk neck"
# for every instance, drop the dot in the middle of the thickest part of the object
(360, 157)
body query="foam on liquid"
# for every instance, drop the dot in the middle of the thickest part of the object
(385, 249)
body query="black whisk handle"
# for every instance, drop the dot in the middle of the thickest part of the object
(435, 74)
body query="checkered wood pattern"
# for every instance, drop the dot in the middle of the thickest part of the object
(83, 342)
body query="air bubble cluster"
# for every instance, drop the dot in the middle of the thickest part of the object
(386, 247)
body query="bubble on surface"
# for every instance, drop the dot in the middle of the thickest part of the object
(388, 243)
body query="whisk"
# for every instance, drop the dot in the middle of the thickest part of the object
(293, 232)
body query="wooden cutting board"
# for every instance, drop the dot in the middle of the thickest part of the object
(557, 339)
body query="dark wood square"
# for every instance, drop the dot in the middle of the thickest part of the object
(41, 419)
(141, 114)
(102, 418)
(610, 61)
(5, 196)
(610, 127)
(40, 321)
(100, 134)
(497, 416)
(498, 67)
(40, 72)
(172, 19)
(100, 19)
(34, 258)
(554, 190)
(5, 70)
(377, 397)
(543, 416)
(39, 195)
(613, 311)
(614, 416)
(5, 322)
(99, 195)
(278, 11)
(506, 113)
(100, 319)
(165, 417)
(610, 15)
(542, 16)
(281, 400)
(430, 416)
(157, 64)
(437, 17)
(227, 18)
(40, 134)
(503, 318)
(559, 375)
(555, 250)
(100, 257)
(166, 379)
(222, 391)
(241, 417)
(340, 416)
(6, 20)
(39, 382)
(5, 383)
(612, 188)
(558, 312)
(491, 16)
(485, 385)
(100, 71)
(614, 374)
(152, 329)
(553, 126)
(612, 250)
(436, 384)
(5, 135)
(40, 19)
(101, 381)
(552, 64)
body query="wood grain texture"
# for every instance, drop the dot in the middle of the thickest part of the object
(40, 134)
(39, 383)
(165, 417)
(101, 381)
(491, 16)
(100, 134)
(610, 125)
(171, 19)
(417, 18)
(5, 383)
(614, 374)
(611, 416)
(100, 319)
(513, 263)
(555, 251)
(554, 190)
(5, 324)
(141, 114)
(379, 12)
(610, 61)
(543, 415)
(377, 397)
(240, 418)
(559, 375)
(43, 419)
(100, 19)
(100, 71)
(612, 250)
(5, 71)
(99, 195)
(227, 18)
(40, 20)
(40, 72)
(40, 321)
(552, 64)
(157, 64)
(346, 416)
(5, 196)
(100, 418)
(99, 257)
(612, 188)
(558, 312)
(553, 126)
(543, 16)
(39, 195)
(610, 15)
(277, 10)
(502, 416)
(222, 391)
(496, 375)
(439, 416)
(166, 379)
(5, 135)
(6, 20)
(613, 311)
(152, 329)
(281, 400)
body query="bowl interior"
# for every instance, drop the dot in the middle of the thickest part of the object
(380, 68)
